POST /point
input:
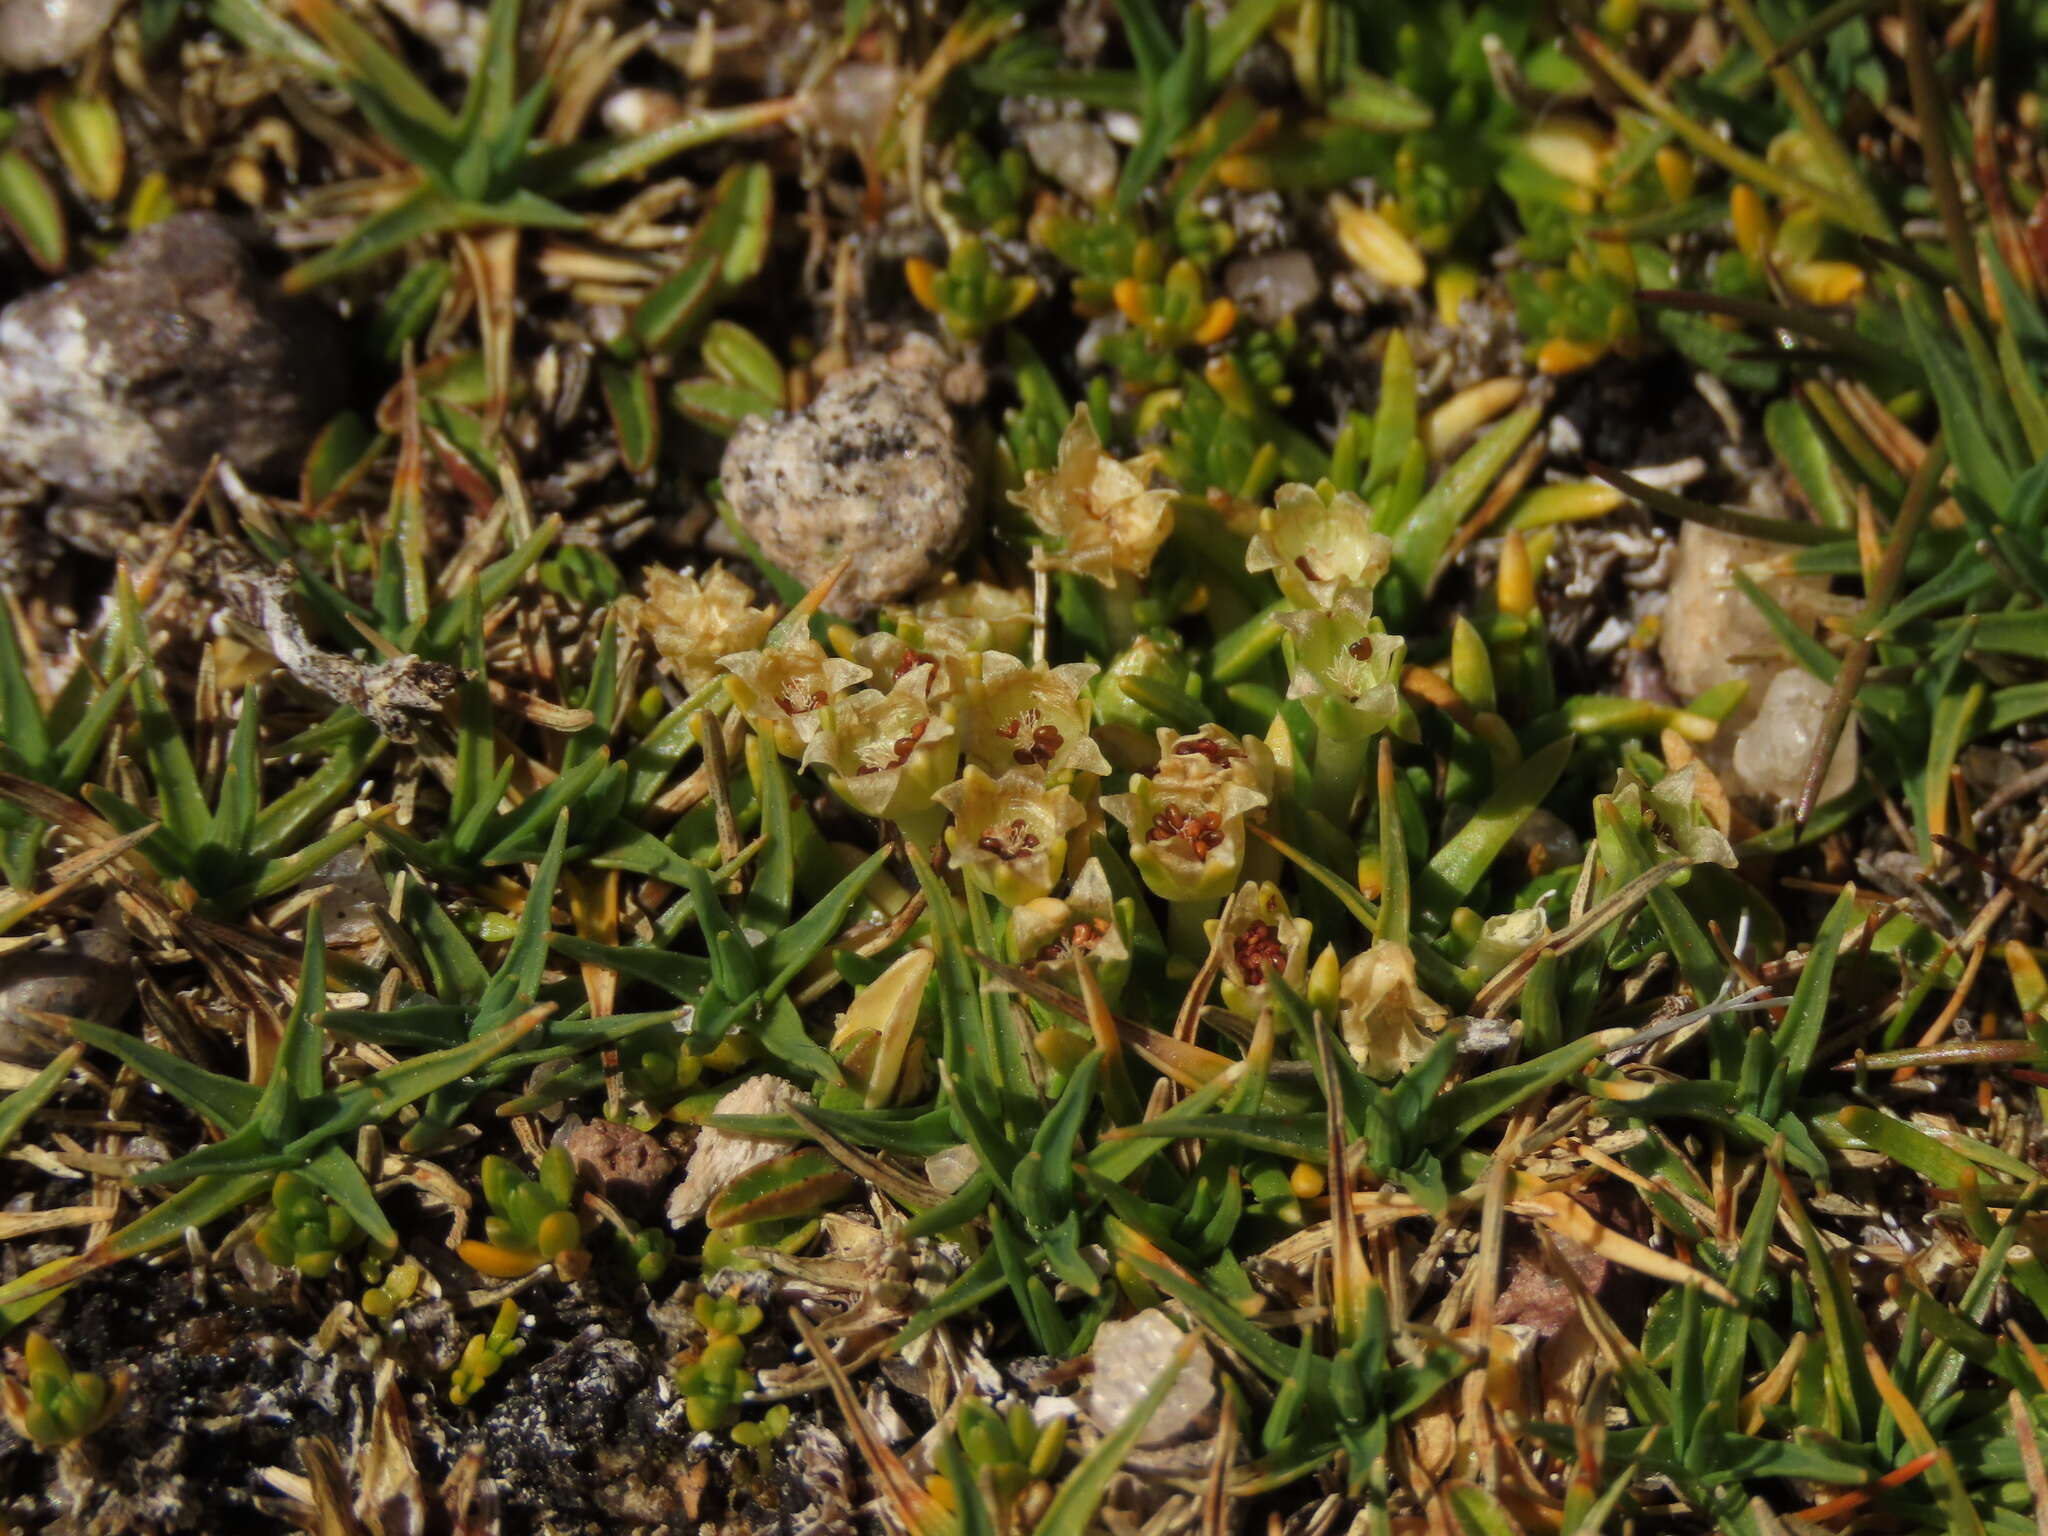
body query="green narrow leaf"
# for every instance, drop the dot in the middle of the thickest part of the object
(366, 62)
(1478, 1512)
(262, 31)
(1816, 658)
(426, 212)
(29, 208)
(635, 412)
(241, 783)
(22, 728)
(225, 1102)
(1393, 426)
(1456, 868)
(200, 1202)
(336, 1175)
(601, 163)
(1977, 460)
(1426, 532)
(516, 983)
(17, 1108)
(1799, 1035)
(969, 1047)
(86, 131)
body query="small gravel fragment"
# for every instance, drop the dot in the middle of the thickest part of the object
(857, 102)
(719, 1157)
(353, 891)
(84, 977)
(1077, 155)
(949, 1171)
(1773, 750)
(1712, 634)
(127, 379)
(1130, 1355)
(628, 1167)
(43, 34)
(1270, 288)
(872, 468)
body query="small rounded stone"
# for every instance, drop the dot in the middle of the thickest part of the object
(45, 34)
(872, 469)
(1772, 753)
(629, 1167)
(127, 379)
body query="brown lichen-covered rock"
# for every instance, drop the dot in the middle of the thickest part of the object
(1534, 1296)
(872, 468)
(626, 1166)
(127, 379)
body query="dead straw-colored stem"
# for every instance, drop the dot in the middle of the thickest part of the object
(1912, 518)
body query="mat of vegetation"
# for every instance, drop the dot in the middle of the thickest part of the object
(1041, 767)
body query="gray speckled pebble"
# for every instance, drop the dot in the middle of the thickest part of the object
(872, 468)
(42, 34)
(127, 378)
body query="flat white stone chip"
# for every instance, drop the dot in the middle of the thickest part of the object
(1129, 1357)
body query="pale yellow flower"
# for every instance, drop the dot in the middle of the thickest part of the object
(1104, 516)
(1315, 548)
(1014, 716)
(1051, 932)
(889, 657)
(888, 754)
(1261, 941)
(1009, 835)
(1187, 837)
(1346, 665)
(1388, 1022)
(1505, 937)
(1214, 755)
(693, 621)
(783, 691)
(966, 617)
(1678, 813)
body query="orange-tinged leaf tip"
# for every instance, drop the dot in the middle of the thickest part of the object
(498, 1263)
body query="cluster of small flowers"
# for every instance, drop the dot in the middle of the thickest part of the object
(936, 723)
(1326, 557)
(1320, 546)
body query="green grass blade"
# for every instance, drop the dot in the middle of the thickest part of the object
(20, 1106)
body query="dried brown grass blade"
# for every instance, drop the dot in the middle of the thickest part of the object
(2030, 1457)
(1508, 983)
(1913, 514)
(65, 876)
(1563, 1215)
(903, 1496)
